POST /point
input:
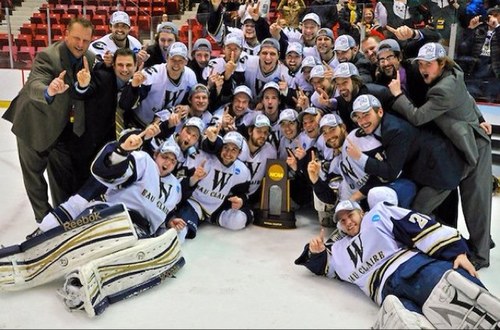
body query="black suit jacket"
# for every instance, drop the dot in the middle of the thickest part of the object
(418, 154)
(100, 107)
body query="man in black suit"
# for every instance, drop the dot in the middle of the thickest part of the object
(428, 159)
(47, 120)
(104, 121)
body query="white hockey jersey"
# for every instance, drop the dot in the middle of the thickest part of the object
(154, 197)
(353, 175)
(257, 163)
(213, 189)
(388, 237)
(255, 79)
(164, 92)
(105, 43)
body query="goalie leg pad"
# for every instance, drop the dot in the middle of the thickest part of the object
(104, 281)
(458, 303)
(56, 252)
(393, 315)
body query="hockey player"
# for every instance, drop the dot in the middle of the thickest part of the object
(255, 154)
(220, 197)
(105, 47)
(232, 66)
(161, 86)
(399, 257)
(344, 178)
(289, 127)
(130, 177)
(266, 67)
(237, 115)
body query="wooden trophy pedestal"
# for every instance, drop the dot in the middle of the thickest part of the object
(274, 210)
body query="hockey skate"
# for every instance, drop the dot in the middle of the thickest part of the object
(104, 281)
(55, 253)
(393, 315)
(457, 303)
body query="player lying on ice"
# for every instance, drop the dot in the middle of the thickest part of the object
(415, 267)
(114, 247)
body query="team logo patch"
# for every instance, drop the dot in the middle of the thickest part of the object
(178, 189)
(236, 170)
(99, 45)
(376, 218)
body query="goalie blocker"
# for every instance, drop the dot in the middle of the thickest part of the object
(55, 253)
(99, 283)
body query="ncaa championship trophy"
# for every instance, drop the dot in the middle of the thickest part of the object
(274, 210)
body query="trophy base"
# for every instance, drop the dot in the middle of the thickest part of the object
(286, 220)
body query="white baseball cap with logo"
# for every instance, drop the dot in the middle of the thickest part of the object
(345, 70)
(308, 62)
(119, 17)
(233, 38)
(243, 89)
(196, 122)
(430, 51)
(318, 71)
(288, 115)
(344, 42)
(178, 49)
(234, 138)
(309, 111)
(295, 47)
(261, 121)
(331, 120)
(312, 17)
(170, 146)
(346, 205)
(365, 103)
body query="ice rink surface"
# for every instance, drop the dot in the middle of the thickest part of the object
(242, 280)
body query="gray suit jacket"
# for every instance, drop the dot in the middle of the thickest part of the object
(454, 111)
(36, 122)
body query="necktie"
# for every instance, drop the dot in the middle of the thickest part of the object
(79, 118)
(119, 121)
(77, 108)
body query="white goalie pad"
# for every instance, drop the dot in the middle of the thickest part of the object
(393, 315)
(458, 303)
(57, 252)
(104, 281)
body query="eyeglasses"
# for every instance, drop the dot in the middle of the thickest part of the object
(388, 58)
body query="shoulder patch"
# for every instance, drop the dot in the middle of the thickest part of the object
(150, 70)
(237, 170)
(99, 45)
(376, 218)
(360, 133)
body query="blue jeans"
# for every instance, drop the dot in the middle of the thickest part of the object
(406, 191)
